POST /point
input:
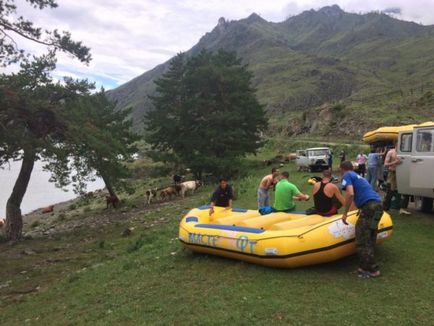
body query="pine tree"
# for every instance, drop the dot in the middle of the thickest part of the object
(62, 124)
(31, 125)
(99, 138)
(205, 113)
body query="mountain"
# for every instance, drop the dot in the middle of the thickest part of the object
(376, 67)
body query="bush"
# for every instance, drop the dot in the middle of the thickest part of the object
(35, 224)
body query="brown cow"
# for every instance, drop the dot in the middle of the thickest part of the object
(111, 200)
(48, 209)
(168, 193)
(2, 222)
(150, 194)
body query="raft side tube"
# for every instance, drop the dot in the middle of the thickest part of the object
(265, 221)
(236, 218)
(299, 222)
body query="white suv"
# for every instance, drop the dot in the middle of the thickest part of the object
(313, 158)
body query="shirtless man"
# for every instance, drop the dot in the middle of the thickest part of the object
(327, 196)
(266, 184)
(392, 161)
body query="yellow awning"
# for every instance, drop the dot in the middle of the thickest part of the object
(390, 133)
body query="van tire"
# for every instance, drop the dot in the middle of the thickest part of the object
(427, 204)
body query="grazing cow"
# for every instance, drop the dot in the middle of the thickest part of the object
(48, 209)
(189, 185)
(150, 194)
(111, 200)
(177, 179)
(290, 157)
(168, 193)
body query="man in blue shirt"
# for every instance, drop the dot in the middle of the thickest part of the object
(369, 204)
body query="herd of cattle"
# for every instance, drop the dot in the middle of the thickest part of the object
(280, 159)
(168, 193)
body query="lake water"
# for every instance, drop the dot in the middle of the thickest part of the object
(40, 192)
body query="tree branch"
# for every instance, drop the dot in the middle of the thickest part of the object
(9, 37)
(11, 28)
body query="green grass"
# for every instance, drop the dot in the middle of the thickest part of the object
(148, 278)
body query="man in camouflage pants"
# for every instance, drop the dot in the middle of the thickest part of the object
(369, 204)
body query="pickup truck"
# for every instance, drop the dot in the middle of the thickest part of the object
(313, 159)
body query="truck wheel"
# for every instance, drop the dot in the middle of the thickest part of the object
(427, 204)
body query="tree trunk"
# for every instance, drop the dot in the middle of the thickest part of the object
(14, 220)
(108, 185)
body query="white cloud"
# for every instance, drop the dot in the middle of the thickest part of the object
(129, 37)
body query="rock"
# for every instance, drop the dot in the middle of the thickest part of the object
(5, 284)
(127, 232)
(27, 236)
(28, 252)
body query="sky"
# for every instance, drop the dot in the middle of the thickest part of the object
(130, 37)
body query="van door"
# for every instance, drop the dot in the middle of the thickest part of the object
(404, 150)
(301, 159)
(422, 161)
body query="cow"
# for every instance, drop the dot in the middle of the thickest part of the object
(150, 194)
(290, 157)
(48, 209)
(189, 185)
(168, 193)
(2, 222)
(111, 200)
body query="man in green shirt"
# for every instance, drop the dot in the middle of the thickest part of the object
(286, 193)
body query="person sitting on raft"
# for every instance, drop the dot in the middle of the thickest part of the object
(327, 196)
(286, 193)
(222, 196)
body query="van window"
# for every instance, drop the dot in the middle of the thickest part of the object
(424, 140)
(406, 140)
(318, 152)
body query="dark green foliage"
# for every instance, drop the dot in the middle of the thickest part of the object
(31, 110)
(205, 114)
(98, 138)
(14, 26)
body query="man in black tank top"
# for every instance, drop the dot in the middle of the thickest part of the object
(327, 196)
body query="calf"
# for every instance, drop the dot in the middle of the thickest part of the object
(48, 209)
(111, 200)
(150, 194)
(189, 185)
(168, 193)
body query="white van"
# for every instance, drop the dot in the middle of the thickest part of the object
(415, 175)
(313, 159)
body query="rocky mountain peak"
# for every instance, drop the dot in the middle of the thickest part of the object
(332, 11)
(254, 17)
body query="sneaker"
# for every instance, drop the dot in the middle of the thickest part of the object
(365, 274)
(402, 211)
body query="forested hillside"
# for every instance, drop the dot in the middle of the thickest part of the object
(379, 70)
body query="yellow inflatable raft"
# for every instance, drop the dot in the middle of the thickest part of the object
(389, 134)
(277, 239)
